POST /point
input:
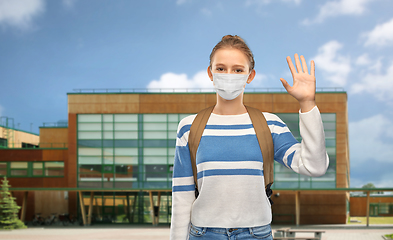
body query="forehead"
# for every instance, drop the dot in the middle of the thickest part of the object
(228, 56)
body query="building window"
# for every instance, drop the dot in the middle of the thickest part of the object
(54, 169)
(38, 169)
(32, 169)
(3, 169)
(137, 151)
(19, 169)
(29, 145)
(121, 150)
(286, 178)
(3, 143)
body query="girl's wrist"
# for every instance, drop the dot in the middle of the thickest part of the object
(306, 106)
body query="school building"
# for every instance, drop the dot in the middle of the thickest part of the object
(113, 162)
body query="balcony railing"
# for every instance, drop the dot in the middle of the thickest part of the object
(36, 146)
(191, 90)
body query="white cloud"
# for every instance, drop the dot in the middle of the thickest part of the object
(335, 67)
(259, 81)
(180, 82)
(363, 60)
(371, 139)
(339, 7)
(381, 35)
(20, 13)
(366, 64)
(376, 83)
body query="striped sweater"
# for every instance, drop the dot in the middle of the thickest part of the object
(230, 170)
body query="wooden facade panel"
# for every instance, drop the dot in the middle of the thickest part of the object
(48, 202)
(358, 205)
(325, 199)
(172, 98)
(341, 180)
(263, 102)
(49, 136)
(342, 117)
(20, 155)
(341, 168)
(54, 155)
(331, 97)
(20, 182)
(323, 209)
(285, 107)
(331, 107)
(284, 98)
(323, 219)
(72, 150)
(57, 182)
(72, 203)
(105, 108)
(284, 208)
(210, 99)
(283, 198)
(258, 98)
(341, 139)
(341, 147)
(341, 127)
(170, 108)
(119, 108)
(102, 98)
(263, 107)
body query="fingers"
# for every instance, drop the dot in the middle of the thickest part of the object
(304, 64)
(285, 84)
(312, 68)
(291, 67)
(298, 65)
(301, 65)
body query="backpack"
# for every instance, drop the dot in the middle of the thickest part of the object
(262, 132)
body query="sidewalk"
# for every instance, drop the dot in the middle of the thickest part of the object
(127, 232)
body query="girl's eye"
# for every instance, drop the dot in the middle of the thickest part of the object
(239, 70)
(220, 69)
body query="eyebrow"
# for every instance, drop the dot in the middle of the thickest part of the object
(237, 65)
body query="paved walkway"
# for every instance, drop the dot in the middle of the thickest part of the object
(107, 232)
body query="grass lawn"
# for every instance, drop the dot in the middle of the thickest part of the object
(373, 220)
(389, 236)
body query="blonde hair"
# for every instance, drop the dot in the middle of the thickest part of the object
(236, 42)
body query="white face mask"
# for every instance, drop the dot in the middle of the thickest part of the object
(229, 86)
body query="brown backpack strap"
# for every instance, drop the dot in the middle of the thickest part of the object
(196, 131)
(265, 143)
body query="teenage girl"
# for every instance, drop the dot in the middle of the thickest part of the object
(232, 203)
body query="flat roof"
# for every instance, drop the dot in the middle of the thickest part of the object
(190, 90)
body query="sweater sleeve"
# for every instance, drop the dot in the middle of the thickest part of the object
(183, 187)
(308, 157)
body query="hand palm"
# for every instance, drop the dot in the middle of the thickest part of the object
(303, 88)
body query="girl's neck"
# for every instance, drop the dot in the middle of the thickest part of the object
(232, 107)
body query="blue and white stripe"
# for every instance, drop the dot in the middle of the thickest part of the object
(230, 170)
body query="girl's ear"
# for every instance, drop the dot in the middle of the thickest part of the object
(252, 76)
(209, 72)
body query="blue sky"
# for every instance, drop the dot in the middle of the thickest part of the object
(49, 48)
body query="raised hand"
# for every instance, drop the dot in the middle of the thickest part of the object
(303, 88)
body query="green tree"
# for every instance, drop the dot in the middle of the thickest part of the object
(8, 209)
(368, 186)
